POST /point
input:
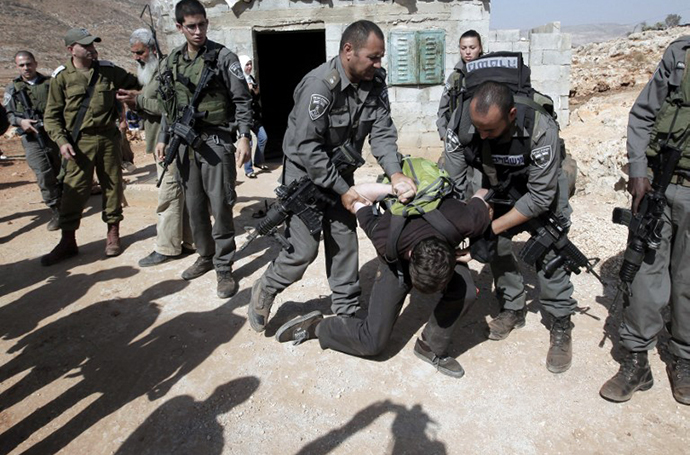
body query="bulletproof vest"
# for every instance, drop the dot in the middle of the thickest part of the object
(38, 93)
(672, 125)
(214, 100)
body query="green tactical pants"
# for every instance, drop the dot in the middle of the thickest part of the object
(100, 151)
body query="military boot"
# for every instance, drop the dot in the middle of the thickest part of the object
(112, 243)
(54, 223)
(65, 249)
(679, 372)
(633, 375)
(505, 322)
(560, 354)
(200, 266)
(227, 286)
(259, 306)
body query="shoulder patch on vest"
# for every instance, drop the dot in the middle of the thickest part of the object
(57, 70)
(236, 70)
(542, 156)
(332, 79)
(383, 96)
(318, 104)
(105, 63)
(6, 99)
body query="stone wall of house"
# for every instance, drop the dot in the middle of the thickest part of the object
(548, 53)
(413, 107)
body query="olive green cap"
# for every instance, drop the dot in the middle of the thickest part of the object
(80, 36)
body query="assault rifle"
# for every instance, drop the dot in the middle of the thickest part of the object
(302, 198)
(182, 129)
(550, 233)
(32, 114)
(644, 227)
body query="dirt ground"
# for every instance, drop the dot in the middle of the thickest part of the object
(99, 356)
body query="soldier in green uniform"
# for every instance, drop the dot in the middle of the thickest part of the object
(208, 170)
(342, 101)
(173, 233)
(81, 117)
(660, 114)
(42, 154)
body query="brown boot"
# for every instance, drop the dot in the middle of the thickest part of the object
(65, 249)
(112, 245)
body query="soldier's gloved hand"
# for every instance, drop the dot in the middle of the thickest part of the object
(350, 197)
(403, 187)
(28, 125)
(638, 187)
(67, 152)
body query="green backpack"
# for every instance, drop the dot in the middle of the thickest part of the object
(433, 184)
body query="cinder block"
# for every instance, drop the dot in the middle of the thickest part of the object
(435, 93)
(536, 58)
(556, 57)
(508, 35)
(332, 49)
(545, 41)
(522, 46)
(497, 46)
(405, 94)
(546, 72)
(468, 11)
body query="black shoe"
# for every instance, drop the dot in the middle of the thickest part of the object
(505, 322)
(155, 258)
(444, 364)
(54, 223)
(227, 286)
(201, 266)
(560, 355)
(186, 251)
(263, 167)
(300, 329)
(66, 248)
(251, 175)
(259, 306)
(679, 372)
(633, 375)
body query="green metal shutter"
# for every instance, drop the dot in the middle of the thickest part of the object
(431, 56)
(403, 58)
(417, 57)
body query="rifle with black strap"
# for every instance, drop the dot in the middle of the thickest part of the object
(303, 198)
(32, 114)
(182, 129)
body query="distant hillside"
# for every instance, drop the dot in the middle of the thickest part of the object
(40, 25)
(595, 33)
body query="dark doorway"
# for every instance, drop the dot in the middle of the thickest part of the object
(283, 58)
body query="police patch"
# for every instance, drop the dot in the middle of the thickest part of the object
(317, 106)
(236, 70)
(542, 156)
(452, 142)
(6, 99)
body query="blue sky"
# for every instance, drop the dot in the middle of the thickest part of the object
(506, 14)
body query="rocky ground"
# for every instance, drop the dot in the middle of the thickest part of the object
(100, 356)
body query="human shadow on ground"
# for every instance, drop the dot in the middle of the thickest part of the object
(61, 290)
(39, 219)
(186, 426)
(27, 272)
(409, 431)
(106, 346)
(8, 185)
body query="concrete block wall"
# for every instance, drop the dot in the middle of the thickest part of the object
(548, 53)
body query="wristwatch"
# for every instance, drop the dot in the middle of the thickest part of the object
(247, 135)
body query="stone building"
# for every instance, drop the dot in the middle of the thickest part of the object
(288, 38)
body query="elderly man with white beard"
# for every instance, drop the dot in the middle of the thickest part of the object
(174, 236)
